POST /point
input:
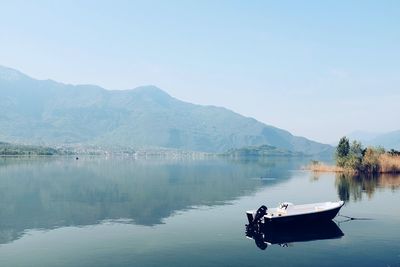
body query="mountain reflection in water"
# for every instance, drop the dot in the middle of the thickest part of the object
(48, 193)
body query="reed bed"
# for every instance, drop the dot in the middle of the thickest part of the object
(389, 163)
(386, 164)
(322, 167)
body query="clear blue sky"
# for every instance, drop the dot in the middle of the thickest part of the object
(319, 69)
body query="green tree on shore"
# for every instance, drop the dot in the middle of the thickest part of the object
(355, 157)
(371, 160)
(342, 151)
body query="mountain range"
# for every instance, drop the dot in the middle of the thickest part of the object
(389, 140)
(45, 112)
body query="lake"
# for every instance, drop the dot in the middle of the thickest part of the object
(125, 212)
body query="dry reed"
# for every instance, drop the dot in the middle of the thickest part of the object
(322, 167)
(389, 163)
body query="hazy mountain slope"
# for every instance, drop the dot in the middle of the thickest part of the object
(390, 140)
(47, 112)
(362, 136)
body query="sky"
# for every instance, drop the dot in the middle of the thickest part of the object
(319, 69)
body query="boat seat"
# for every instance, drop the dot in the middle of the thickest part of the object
(284, 207)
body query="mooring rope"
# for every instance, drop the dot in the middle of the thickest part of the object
(350, 219)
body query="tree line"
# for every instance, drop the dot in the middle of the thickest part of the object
(356, 158)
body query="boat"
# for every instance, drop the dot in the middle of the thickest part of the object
(282, 235)
(287, 212)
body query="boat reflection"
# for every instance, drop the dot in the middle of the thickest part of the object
(283, 235)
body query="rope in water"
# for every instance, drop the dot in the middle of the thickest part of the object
(350, 218)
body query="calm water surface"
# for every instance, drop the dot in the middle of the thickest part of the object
(125, 212)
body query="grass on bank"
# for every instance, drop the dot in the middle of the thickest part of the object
(387, 164)
(317, 166)
(356, 159)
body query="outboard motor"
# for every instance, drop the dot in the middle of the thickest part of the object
(260, 214)
(255, 227)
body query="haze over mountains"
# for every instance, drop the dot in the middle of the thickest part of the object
(47, 112)
(389, 140)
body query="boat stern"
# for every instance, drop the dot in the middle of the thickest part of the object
(250, 215)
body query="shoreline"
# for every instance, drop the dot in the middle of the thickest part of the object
(321, 167)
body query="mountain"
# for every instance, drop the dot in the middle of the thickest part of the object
(260, 152)
(47, 112)
(390, 140)
(362, 136)
(7, 149)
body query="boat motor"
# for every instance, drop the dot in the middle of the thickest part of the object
(259, 215)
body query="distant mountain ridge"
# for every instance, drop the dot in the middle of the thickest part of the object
(260, 152)
(47, 112)
(389, 140)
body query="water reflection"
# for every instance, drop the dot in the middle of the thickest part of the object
(288, 234)
(50, 193)
(355, 186)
